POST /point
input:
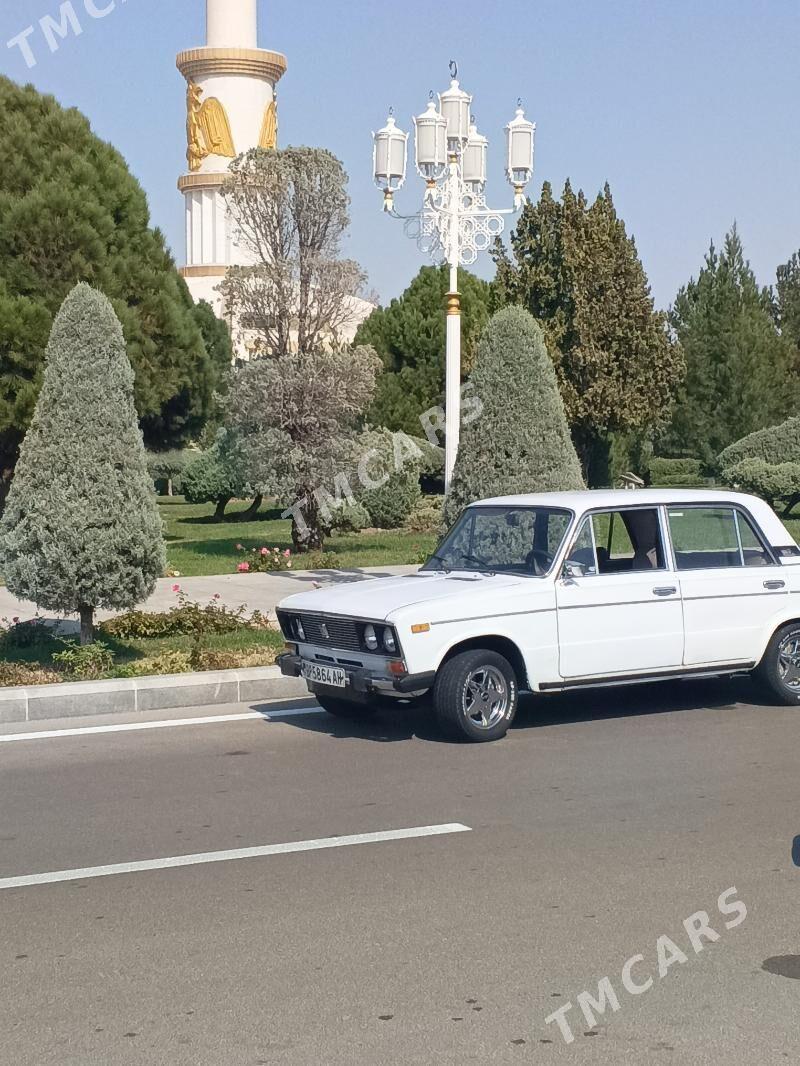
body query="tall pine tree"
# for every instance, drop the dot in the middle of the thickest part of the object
(409, 336)
(741, 373)
(574, 267)
(788, 299)
(71, 211)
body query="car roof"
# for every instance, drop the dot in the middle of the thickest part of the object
(590, 499)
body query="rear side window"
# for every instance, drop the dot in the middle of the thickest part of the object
(710, 538)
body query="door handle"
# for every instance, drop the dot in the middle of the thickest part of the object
(775, 584)
(669, 590)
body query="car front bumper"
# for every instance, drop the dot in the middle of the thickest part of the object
(361, 682)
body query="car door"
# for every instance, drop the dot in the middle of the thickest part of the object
(619, 608)
(732, 584)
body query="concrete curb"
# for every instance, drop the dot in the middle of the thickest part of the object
(130, 695)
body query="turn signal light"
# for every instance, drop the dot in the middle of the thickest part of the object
(397, 667)
(423, 627)
(291, 648)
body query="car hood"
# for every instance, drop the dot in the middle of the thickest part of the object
(379, 598)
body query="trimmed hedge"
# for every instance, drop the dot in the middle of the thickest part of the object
(520, 441)
(397, 458)
(676, 473)
(771, 481)
(766, 463)
(777, 444)
(350, 518)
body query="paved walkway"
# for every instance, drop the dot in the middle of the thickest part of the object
(260, 592)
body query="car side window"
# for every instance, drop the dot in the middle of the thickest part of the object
(620, 542)
(753, 551)
(711, 538)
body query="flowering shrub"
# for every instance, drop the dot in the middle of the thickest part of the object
(264, 560)
(186, 618)
(30, 634)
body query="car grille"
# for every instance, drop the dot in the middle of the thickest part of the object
(341, 632)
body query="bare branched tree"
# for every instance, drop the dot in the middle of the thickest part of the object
(292, 210)
(296, 420)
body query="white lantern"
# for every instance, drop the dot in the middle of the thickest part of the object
(473, 161)
(431, 142)
(389, 156)
(455, 105)
(520, 133)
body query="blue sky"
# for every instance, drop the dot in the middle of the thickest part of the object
(688, 109)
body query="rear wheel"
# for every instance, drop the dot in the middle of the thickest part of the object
(475, 696)
(779, 670)
(345, 708)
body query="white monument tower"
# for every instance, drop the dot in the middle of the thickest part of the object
(231, 108)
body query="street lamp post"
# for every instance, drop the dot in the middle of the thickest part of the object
(454, 224)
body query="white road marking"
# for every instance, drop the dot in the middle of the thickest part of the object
(231, 856)
(132, 727)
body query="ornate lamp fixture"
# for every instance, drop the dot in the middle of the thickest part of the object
(389, 160)
(454, 224)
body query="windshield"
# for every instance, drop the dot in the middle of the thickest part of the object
(508, 540)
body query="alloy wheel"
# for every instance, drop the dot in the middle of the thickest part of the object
(486, 696)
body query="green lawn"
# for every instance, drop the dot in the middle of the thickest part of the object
(199, 546)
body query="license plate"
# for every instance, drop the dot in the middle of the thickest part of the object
(324, 675)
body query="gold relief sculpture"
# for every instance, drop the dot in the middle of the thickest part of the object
(208, 131)
(269, 127)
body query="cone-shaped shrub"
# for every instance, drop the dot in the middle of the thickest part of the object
(520, 442)
(81, 528)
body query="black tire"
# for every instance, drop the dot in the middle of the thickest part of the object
(464, 708)
(771, 671)
(345, 708)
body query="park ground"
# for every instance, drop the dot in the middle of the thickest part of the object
(599, 824)
(198, 545)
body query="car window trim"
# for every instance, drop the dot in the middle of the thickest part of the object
(666, 548)
(570, 513)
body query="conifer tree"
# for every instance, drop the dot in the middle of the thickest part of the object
(520, 442)
(81, 528)
(741, 372)
(71, 211)
(574, 267)
(409, 336)
(788, 299)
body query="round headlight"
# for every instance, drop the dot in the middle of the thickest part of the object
(370, 637)
(298, 628)
(389, 642)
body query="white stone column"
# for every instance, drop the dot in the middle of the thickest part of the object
(237, 79)
(232, 23)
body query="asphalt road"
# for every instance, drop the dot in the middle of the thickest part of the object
(597, 826)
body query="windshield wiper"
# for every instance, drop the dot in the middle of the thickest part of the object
(441, 559)
(482, 563)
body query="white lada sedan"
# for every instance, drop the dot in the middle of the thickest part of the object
(560, 591)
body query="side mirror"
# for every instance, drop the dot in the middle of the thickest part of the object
(573, 569)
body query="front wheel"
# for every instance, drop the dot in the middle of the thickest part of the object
(779, 670)
(345, 708)
(475, 696)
